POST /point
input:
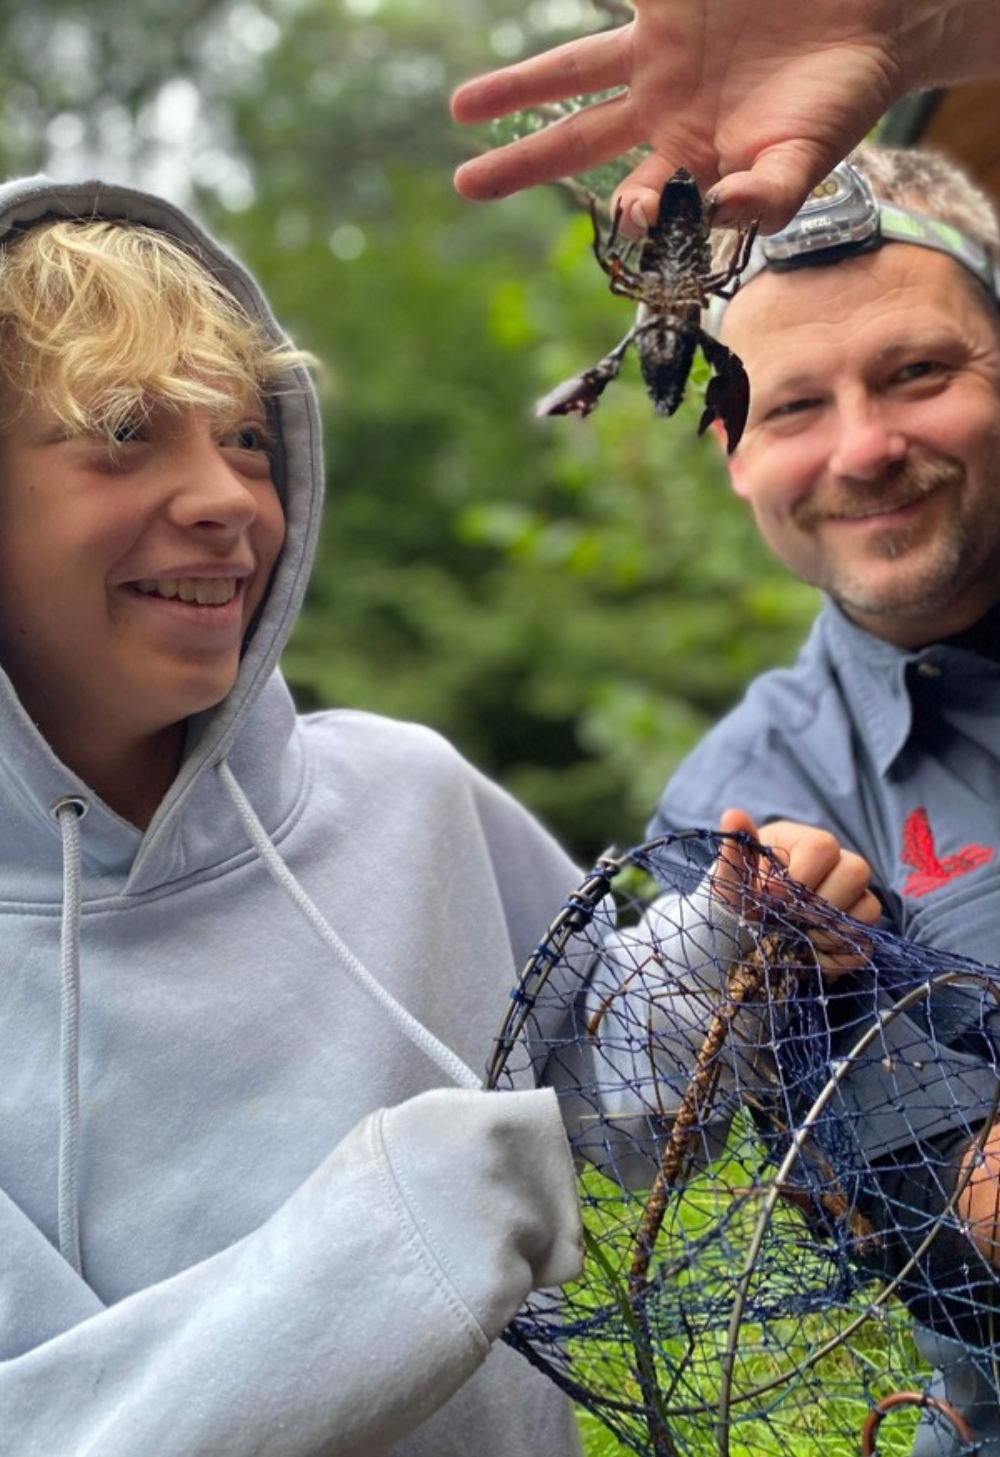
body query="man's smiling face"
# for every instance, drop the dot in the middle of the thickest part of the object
(871, 458)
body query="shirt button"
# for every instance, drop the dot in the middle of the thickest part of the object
(929, 670)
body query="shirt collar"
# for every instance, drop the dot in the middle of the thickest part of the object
(879, 680)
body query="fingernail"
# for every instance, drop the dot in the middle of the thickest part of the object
(637, 217)
(726, 212)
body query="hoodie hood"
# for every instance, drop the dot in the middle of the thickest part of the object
(38, 779)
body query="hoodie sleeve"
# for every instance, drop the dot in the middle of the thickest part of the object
(639, 1027)
(342, 1323)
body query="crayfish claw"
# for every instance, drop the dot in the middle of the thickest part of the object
(579, 395)
(576, 396)
(727, 397)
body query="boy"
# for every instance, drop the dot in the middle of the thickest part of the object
(239, 1211)
(251, 1257)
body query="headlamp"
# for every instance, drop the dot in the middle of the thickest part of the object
(842, 216)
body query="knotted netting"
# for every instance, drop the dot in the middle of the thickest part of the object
(782, 1122)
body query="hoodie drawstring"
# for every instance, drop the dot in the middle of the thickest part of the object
(68, 812)
(418, 1034)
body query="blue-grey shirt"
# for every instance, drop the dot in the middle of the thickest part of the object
(898, 753)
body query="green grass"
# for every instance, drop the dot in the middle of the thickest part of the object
(787, 1399)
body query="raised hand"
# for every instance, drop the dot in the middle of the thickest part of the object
(758, 101)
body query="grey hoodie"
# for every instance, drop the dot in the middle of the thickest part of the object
(244, 1209)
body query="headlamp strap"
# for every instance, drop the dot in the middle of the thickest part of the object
(902, 226)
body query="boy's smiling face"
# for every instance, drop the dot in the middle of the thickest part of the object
(130, 572)
(139, 521)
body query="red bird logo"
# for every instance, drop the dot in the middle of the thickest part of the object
(930, 873)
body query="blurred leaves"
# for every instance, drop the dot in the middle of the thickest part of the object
(573, 602)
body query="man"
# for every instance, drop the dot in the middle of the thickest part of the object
(870, 332)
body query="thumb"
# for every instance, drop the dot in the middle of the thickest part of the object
(776, 184)
(735, 862)
(733, 821)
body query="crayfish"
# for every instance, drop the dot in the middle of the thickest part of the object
(671, 280)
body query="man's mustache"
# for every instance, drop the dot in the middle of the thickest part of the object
(907, 483)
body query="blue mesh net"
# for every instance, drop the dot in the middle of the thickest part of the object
(778, 1166)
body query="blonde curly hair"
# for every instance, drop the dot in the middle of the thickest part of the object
(103, 321)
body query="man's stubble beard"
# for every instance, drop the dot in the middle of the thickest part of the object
(943, 567)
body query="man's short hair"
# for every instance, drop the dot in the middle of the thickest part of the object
(928, 181)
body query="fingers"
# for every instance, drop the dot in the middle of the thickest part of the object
(979, 1202)
(769, 194)
(867, 908)
(817, 860)
(639, 193)
(578, 142)
(578, 68)
(813, 858)
(775, 186)
(737, 821)
(847, 889)
(769, 199)
(836, 957)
